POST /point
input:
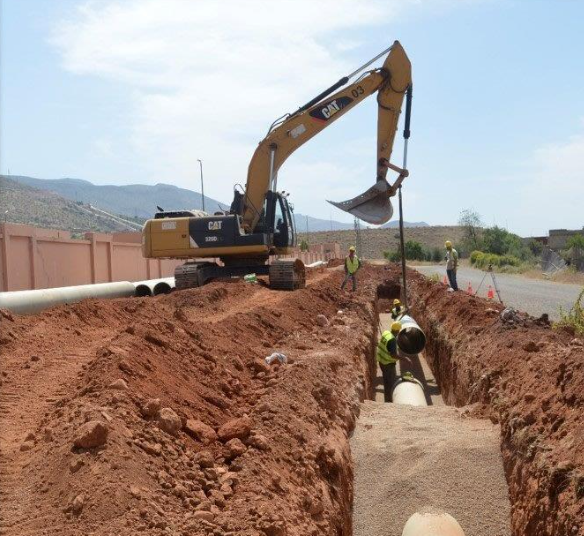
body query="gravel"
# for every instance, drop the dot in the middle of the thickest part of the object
(534, 296)
(411, 458)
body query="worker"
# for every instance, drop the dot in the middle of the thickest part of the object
(352, 265)
(397, 309)
(451, 264)
(387, 358)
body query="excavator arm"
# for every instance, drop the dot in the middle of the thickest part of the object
(390, 82)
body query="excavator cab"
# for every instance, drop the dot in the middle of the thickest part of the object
(281, 225)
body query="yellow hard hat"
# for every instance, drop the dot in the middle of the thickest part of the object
(352, 248)
(396, 302)
(448, 244)
(396, 326)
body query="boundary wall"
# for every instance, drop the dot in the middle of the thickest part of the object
(35, 258)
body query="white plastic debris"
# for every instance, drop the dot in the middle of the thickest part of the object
(276, 355)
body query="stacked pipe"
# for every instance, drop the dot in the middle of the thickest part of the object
(33, 301)
(154, 287)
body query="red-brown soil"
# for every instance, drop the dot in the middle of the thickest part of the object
(529, 378)
(200, 352)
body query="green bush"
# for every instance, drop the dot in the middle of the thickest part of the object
(414, 251)
(576, 241)
(482, 260)
(475, 256)
(574, 318)
(437, 255)
(304, 245)
(392, 256)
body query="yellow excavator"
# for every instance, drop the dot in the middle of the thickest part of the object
(260, 222)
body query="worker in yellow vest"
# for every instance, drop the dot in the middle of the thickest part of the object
(397, 310)
(387, 358)
(352, 265)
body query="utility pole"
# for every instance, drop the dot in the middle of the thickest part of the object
(202, 184)
(307, 242)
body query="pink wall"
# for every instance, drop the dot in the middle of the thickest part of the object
(34, 258)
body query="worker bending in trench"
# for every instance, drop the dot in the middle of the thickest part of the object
(387, 358)
(397, 310)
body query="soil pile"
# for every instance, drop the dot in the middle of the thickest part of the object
(160, 415)
(528, 377)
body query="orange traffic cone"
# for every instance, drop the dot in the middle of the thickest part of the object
(469, 289)
(445, 281)
(490, 293)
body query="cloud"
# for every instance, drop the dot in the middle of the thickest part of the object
(207, 78)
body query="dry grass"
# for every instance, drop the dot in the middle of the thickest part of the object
(574, 318)
(564, 276)
(376, 241)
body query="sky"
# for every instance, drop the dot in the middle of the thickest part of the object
(135, 91)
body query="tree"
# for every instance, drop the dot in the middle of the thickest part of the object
(304, 245)
(414, 251)
(535, 247)
(437, 255)
(472, 225)
(576, 242)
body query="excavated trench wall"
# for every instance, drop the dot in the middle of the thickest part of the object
(523, 375)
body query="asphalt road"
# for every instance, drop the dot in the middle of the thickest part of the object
(531, 295)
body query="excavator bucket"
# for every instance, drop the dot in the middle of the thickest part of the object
(372, 206)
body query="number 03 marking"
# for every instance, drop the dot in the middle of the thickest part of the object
(357, 91)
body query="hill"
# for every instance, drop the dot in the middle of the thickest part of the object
(20, 203)
(375, 241)
(318, 224)
(138, 200)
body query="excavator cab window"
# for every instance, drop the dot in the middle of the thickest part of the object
(284, 231)
(280, 227)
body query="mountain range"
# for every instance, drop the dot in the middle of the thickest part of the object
(139, 201)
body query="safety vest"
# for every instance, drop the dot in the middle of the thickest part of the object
(352, 265)
(383, 356)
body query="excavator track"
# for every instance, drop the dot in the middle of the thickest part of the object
(287, 274)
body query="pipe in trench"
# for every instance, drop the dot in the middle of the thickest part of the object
(432, 523)
(411, 339)
(407, 390)
(33, 301)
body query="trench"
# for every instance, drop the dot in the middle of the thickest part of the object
(416, 459)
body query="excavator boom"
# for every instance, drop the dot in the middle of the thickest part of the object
(390, 82)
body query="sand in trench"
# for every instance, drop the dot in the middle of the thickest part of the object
(410, 458)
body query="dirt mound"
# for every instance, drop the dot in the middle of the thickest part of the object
(526, 376)
(171, 422)
(159, 415)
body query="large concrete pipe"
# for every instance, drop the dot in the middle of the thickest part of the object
(153, 287)
(408, 391)
(432, 523)
(142, 289)
(33, 301)
(411, 339)
(164, 286)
